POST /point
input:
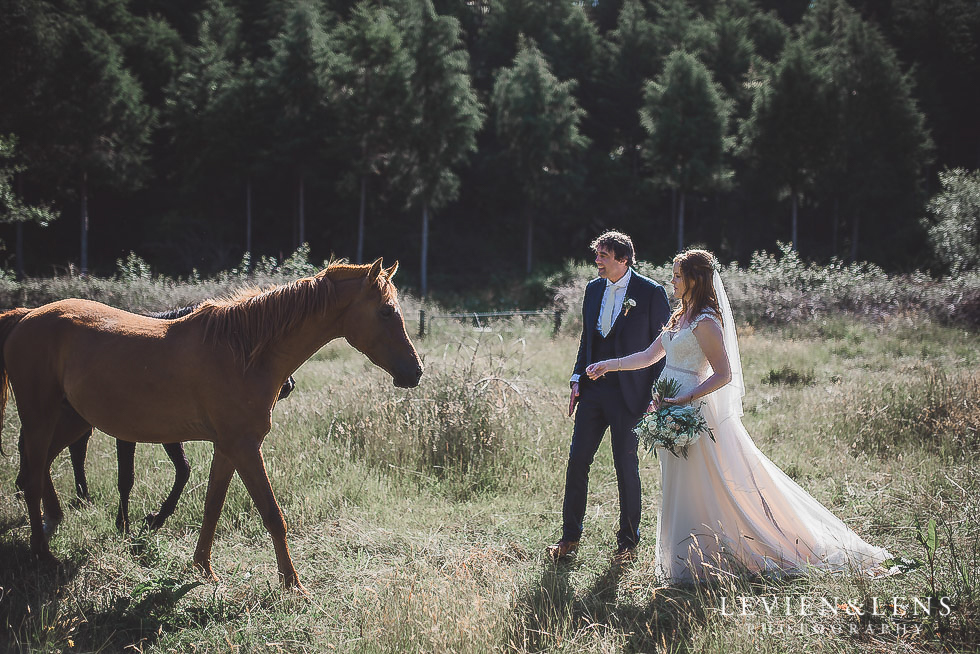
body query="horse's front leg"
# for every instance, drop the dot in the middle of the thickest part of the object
(251, 468)
(222, 469)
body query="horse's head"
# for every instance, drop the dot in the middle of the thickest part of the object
(374, 324)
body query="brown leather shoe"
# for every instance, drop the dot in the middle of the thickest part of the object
(562, 548)
(624, 554)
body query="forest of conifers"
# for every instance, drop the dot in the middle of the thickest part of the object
(486, 138)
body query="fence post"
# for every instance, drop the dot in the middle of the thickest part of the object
(557, 322)
(421, 323)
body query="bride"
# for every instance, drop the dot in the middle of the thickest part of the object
(726, 508)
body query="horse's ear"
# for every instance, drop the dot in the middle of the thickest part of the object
(390, 272)
(375, 271)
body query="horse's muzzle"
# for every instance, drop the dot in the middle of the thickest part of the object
(409, 378)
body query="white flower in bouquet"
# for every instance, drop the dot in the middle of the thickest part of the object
(671, 427)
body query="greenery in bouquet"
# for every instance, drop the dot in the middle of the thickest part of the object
(671, 427)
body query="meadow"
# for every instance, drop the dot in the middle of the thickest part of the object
(418, 518)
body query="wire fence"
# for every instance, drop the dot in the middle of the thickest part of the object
(481, 318)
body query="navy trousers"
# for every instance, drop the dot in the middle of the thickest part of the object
(601, 406)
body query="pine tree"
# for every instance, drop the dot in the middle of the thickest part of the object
(792, 122)
(635, 55)
(371, 76)
(219, 127)
(98, 127)
(296, 82)
(537, 121)
(446, 115)
(685, 117)
(882, 145)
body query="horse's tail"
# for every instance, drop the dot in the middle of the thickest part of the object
(8, 320)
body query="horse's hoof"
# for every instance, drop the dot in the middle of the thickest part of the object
(153, 521)
(48, 527)
(122, 526)
(204, 567)
(291, 582)
(47, 560)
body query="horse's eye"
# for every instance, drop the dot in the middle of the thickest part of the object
(387, 311)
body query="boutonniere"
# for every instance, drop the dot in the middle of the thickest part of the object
(628, 304)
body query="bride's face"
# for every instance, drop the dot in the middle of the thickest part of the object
(680, 286)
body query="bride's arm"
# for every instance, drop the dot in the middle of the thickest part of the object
(712, 344)
(634, 361)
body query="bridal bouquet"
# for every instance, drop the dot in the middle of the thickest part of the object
(671, 426)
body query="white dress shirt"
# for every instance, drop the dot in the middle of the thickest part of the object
(618, 297)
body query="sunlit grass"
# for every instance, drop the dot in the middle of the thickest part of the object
(404, 551)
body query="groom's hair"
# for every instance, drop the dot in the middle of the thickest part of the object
(620, 244)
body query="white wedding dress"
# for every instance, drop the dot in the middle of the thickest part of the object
(726, 508)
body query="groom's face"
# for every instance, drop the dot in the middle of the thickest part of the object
(609, 266)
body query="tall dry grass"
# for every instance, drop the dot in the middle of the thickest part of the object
(418, 518)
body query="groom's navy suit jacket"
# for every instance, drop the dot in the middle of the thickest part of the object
(633, 331)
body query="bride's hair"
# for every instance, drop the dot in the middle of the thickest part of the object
(697, 268)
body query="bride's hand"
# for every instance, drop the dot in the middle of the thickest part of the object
(680, 399)
(596, 370)
(654, 403)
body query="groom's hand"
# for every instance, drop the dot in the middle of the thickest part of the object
(573, 399)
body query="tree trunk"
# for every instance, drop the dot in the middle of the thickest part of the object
(294, 221)
(673, 210)
(794, 240)
(360, 221)
(680, 222)
(19, 256)
(855, 228)
(424, 290)
(84, 208)
(248, 215)
(302, 209)
(530, 241)
(19, 252)
(836, 223)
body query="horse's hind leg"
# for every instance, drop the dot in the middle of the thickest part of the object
(78, 450)
(182, 472)
(125, 460)
(36, 436)
(69, 429)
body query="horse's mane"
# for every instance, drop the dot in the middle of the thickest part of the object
(252, 318)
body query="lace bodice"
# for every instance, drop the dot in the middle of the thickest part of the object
(685, 361)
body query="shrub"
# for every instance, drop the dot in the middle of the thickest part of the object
(782, 288)
(954, 231)
(789, 376)
(463, 428)
(135, 288)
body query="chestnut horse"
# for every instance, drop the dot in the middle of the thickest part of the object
(126, 455)
(213, 375)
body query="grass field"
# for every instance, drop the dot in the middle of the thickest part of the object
(418, 518)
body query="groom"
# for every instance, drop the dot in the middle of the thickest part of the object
(623, 312)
